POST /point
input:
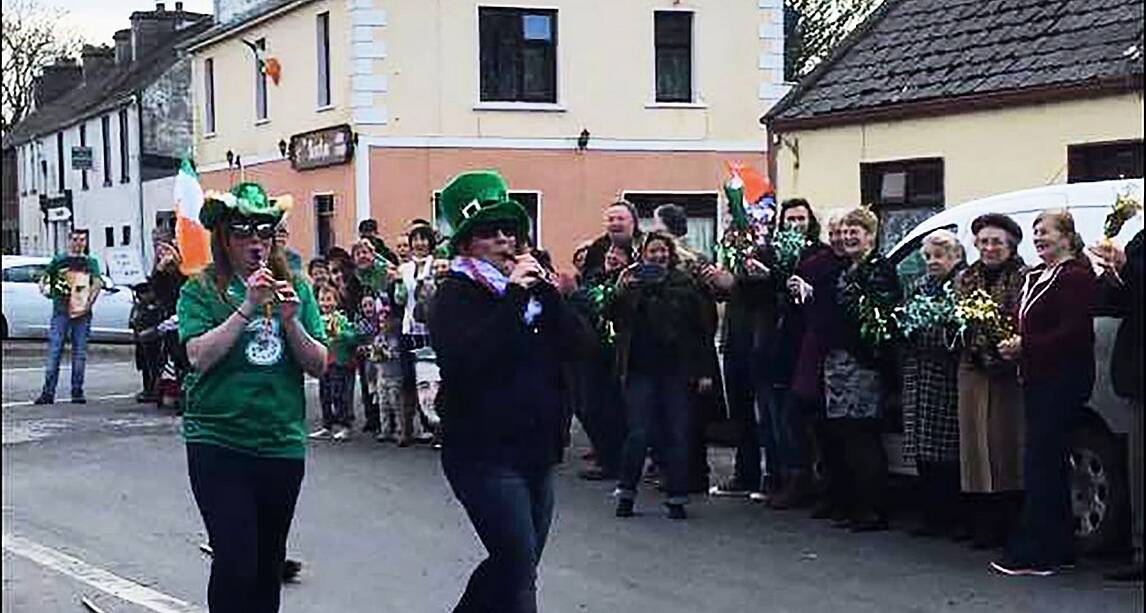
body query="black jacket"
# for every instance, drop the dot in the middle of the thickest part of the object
(667, 314)
(1124, 296)
(502, 379)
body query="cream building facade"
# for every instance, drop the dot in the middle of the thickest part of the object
(562, 97)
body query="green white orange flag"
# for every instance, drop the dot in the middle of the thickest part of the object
(193, 239)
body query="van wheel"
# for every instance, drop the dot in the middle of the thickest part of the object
(1098, 489)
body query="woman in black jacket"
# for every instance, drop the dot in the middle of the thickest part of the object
(500, 332)
(661, 355)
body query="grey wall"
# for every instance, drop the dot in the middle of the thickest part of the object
(167, 114)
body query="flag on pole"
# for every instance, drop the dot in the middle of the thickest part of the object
(193, 240)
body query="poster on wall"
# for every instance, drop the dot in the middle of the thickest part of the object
(124, 266)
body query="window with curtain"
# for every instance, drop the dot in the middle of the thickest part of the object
(672, 33)
(518, 54)
(322, 37)
(701, 210)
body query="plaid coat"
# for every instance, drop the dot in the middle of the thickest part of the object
(931, 392)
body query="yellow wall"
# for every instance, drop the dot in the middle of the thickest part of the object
(984, 153)
(604, 70)
(292, 104)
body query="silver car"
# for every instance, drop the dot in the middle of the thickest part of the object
(28, 314)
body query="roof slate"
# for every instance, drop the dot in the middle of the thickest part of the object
(911, 51)
(103, 92)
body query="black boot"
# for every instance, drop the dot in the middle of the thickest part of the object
(624, 507)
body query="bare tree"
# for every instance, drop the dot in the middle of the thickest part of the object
(32, 39)
(813, 28)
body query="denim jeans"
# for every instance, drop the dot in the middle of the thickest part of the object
(336, 396)
(659, 412)
(247, 503)
(79, 329)
(511, 509)
(1045, 536)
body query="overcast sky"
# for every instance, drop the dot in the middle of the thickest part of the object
(97, 20)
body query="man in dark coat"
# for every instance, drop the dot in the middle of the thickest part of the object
(621, 229)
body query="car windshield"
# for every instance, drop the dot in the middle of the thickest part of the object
(28, 273)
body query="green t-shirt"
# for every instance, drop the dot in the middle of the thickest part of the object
(56, 275)
(252, 400)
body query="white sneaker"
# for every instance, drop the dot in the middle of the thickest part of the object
(341, 433)
(320, 434)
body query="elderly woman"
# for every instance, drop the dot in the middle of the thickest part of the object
(931, 395)
(854, 372)
(990, 402)
(501, 333)
(251, 329)
(1055, 352)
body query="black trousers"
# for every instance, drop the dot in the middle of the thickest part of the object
(149, 360)
(939, 485)
(857, 466)
(247, 503)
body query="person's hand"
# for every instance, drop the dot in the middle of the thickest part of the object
(756, 268)
(799, 289)
(526, 271)
(566, 283)
(1109, 256)
(260, 290)
(717, 278)
(288, 300)
(704, 385)
(1011, 347)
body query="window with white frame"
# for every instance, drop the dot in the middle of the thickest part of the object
(209, 96)
(124, 166)
(322, 35)
(60, 161)
(105, 141)
(84, 143)
(701, 208)
(518, 54)
(672, 40)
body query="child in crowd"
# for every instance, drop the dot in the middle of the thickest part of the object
(336, 387)
(384, 370)
(319, 271)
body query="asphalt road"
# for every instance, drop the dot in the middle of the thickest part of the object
(96, 504)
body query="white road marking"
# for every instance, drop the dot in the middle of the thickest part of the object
(98, 578)
(28, 403)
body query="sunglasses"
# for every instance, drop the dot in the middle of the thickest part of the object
(249, 228)
(490, 230)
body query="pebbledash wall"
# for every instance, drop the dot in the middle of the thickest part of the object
(405, 77)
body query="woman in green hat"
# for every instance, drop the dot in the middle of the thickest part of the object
(501, 332)
(251, 330)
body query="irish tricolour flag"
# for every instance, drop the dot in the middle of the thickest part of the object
(193, 239)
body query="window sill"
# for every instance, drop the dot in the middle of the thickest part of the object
(209, 135)
(323, 109)
(262, 122)
(542, 107)
(676, 105)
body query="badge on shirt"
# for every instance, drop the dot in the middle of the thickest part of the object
(266, 346)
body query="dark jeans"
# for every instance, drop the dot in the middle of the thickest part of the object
(336, 395)
(149, 358)
(939, 489)
(1045, 535)
(79, 329)
(659, 414)
(789, 432)
(247, 503)
(857, 466)
(601, 411)
(511, 510)
(748, 399)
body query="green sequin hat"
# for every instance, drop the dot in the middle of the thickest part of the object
(478, 197)
(247, 199)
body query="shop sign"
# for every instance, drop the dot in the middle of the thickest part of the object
(124, 266)
(319, 148)
(81, 158)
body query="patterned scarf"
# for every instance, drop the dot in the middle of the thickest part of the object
(494, 280)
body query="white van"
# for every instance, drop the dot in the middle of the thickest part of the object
(1099, 486)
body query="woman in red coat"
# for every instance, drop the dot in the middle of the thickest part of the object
(1055, 352)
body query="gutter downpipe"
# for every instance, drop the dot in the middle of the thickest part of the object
(143, 240)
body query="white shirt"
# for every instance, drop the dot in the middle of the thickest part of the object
(417, 269)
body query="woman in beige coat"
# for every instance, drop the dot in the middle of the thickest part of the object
(990, 400)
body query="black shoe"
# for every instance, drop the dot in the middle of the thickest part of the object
(146, 397)
(44, 399)
(1014, 568)
(1129, 573)
(79, 400)
(593, 473)
(823, 511)
(868, 524)
(372, 428)
(624, 508)
(676, 511)
(959, 533)
(291, 570)
(927, 530)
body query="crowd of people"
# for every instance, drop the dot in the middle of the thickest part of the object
(476, 343)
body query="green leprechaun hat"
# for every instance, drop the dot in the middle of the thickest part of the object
(478, 197)
(247, 199)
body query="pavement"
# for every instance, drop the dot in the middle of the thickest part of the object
(96, 505)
